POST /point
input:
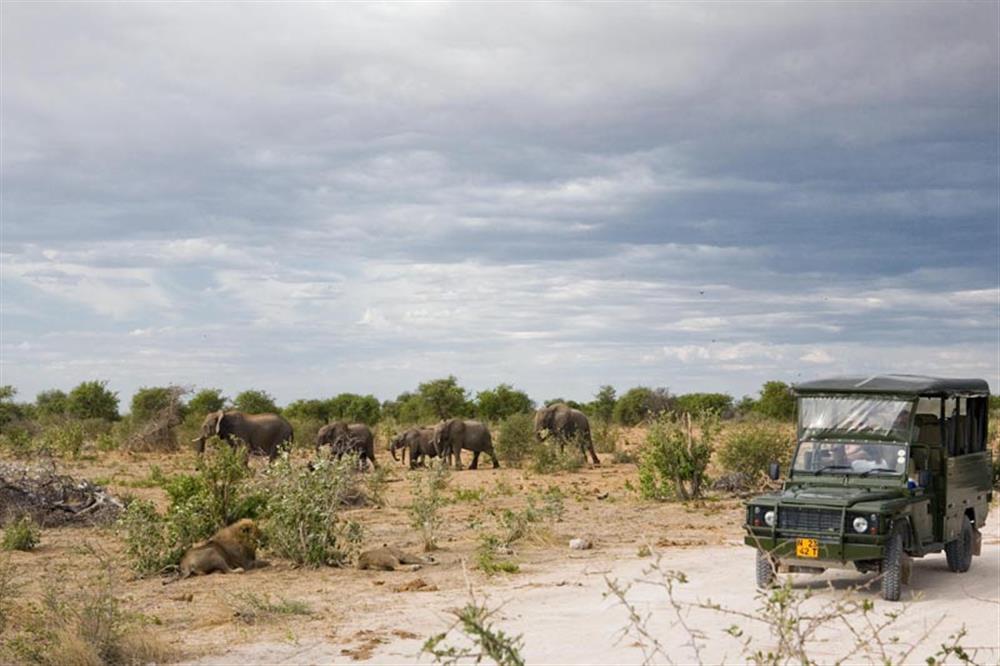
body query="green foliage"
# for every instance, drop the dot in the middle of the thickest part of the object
(217, 495)
(51, 403)
(10, 411)
(205, 402)
(21, 534)
(570, 403)
(445, 398)
(776, 401)
(17, 441)
(641, 403)
(548, 457)
(93, 400)
(675, 457)
(66, 439)
(699, 403)
(603, 405)
(255, 402)
(303, 522)
(407, 409)
(516, 439)
(487, 642)
(315, 410)
(748, 448)
(149, 402)
(354, 408)
(605, 436)
(502, 402)
(427, 491)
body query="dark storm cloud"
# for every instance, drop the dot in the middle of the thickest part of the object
(357, 197)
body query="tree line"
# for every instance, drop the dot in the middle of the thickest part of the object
(431, 401)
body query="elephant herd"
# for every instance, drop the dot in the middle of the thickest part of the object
(264, 434)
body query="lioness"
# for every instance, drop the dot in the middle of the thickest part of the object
(390, 558)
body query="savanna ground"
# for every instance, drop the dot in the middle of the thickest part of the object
(557, 599)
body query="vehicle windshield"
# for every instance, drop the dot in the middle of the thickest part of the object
(845, 457)
(821, 417)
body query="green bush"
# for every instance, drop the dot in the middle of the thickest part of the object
(675, 457)
(22, 534)
(205, 402)
(748, 448)
(255, 402)
(605, 435)
(776, 401)
(516, 439)
(502, 402)
(547, 457)
(93, 400)
(65, 440)
(427, 489)
(219, 494)
(302, 521)
(17, 441)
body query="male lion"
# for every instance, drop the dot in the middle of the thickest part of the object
(231, 549)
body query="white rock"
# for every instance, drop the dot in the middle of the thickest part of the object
(580, 544)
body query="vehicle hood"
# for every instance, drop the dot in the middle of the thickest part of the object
(835, 495)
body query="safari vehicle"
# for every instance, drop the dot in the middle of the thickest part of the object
(886, 467)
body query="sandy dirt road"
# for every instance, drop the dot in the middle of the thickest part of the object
(565, 617)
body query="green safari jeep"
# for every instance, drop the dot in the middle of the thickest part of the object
(885, 467)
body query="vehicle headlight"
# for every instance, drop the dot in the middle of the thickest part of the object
(860, 524)
(769, 518)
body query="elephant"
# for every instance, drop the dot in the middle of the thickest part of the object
(453, 435)
(419, 442)
(354, 438)
(263, 434)
(565, 423)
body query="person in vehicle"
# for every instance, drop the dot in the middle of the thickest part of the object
(861, 458)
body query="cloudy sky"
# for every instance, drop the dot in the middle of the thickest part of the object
(316, 198)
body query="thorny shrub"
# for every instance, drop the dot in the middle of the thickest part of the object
(799, 629)
(427, 490)
(675, 457)
(552, 456)
(605, 435)
(21, 534)
(749, 447)
(510, 526)
(303, 521)
(219, 494)
(474, 623)
(516, 439)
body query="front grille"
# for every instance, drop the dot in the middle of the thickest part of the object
(808, 520)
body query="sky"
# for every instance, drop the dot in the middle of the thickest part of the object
(312, 198)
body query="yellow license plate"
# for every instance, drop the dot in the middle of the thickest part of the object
(806, 548)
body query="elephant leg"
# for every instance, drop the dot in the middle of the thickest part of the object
(458, 458)
(475, 460)
(371, 456)
(493, 457)
(593, 454)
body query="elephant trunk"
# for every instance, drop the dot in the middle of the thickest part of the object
(392, 449)
(199, 444)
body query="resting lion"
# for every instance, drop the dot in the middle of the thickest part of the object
(389, 558)
(231, 549)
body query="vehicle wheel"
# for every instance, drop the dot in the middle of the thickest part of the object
(959, 551)
(765, 570)
(892, 568)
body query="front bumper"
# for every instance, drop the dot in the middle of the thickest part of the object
(831, 549)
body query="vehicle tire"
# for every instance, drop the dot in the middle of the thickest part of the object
(765, 570)
(892, 568)
(959, 551)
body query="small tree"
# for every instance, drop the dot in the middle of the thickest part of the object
(445, 398)
(255, 402)
(52, 403)
(698, 403)
(9, 410)
(93, 400)
(354, 408)
(603, 406)
(205, 402)
(501, 402)
(776, 401)
(516, 439)
(675, 457)
(633, 407)
(317, 410)
(150, 402)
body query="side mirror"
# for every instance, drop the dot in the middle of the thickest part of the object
(774, 471)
